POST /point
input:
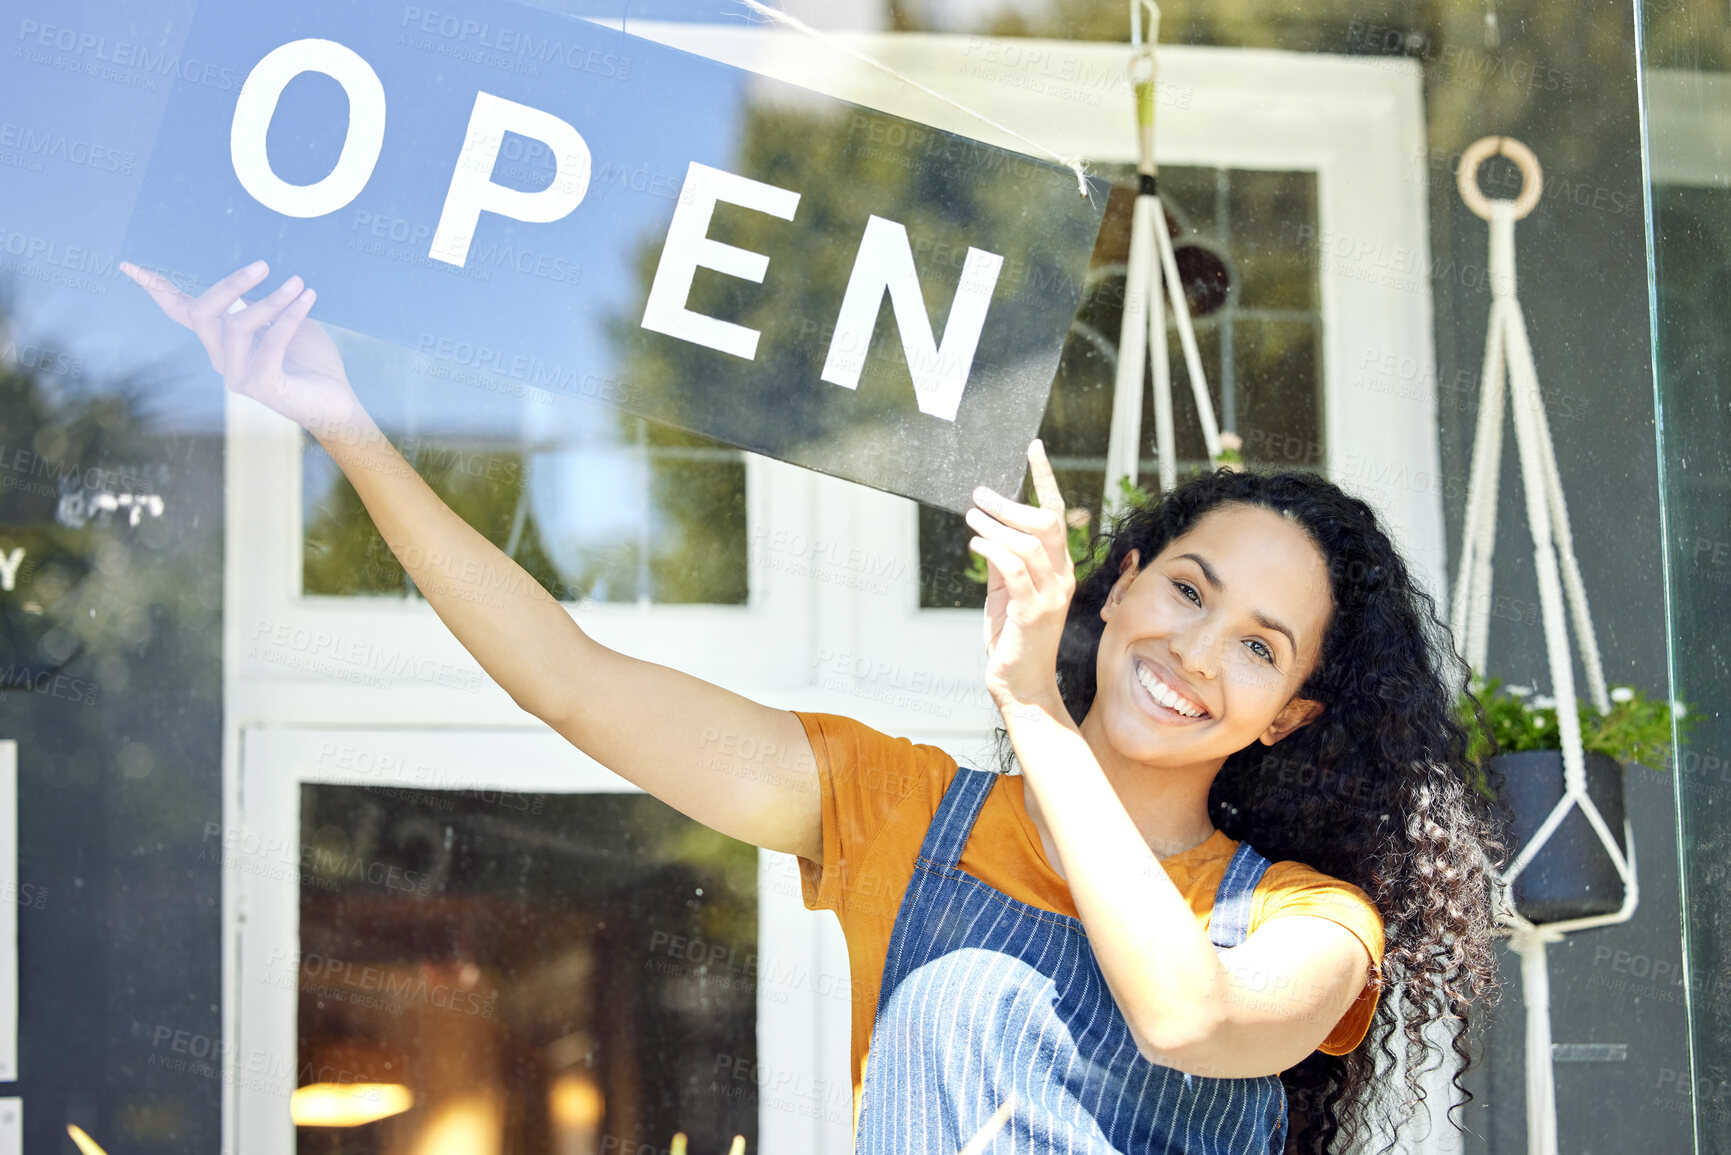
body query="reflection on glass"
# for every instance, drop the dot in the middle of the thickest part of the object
(537, 973)
(1259, 350)
(594, 504)
(1693, 280)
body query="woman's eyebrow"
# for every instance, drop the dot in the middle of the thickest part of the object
(1207, 570)
(1272, 624)
(1262, 619)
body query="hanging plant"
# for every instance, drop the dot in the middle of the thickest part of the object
(1572, 875)
(1231, 451)
(1637, 729)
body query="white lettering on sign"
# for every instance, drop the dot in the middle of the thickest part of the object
(689, 246)
(886, 264)
(256, 105)
(9, 563)
(473, 192)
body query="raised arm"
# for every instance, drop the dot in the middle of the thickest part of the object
(735, 765)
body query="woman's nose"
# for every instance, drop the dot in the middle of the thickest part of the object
(1196, 650)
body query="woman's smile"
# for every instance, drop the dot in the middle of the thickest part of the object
(1204, 646)
(1157, 692)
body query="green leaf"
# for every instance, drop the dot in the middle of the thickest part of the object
(1635, 730)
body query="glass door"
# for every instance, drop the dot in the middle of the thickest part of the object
(482, 941)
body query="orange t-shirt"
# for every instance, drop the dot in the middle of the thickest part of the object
(881, 793)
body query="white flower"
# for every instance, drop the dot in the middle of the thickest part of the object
(1538, 722)
(1678, 709)
(1622, 693)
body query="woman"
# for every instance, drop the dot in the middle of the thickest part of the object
(1094, 953)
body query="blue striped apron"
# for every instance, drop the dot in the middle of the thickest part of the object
(984, 995)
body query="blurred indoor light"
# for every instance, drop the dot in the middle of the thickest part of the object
(85, 1143)
(574, 1101)
(574, 1104)
(347, 1104)
(472, 1125)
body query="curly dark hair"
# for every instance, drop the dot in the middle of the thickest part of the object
(1376, 791)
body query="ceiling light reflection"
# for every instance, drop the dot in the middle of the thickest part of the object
(347, 1104)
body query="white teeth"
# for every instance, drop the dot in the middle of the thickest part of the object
(1166, 695)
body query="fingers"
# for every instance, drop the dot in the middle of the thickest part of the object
(241, 326)
(281, 332)
(215, 301)
(204, 315)
(214, 305)
(1045, 484)
(1010, 566)
(1033, 557)
(1028, 518)
(1045, 526)
(1000, 529)
(168, 297)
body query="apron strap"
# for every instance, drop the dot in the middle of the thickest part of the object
(1229, 922)
(954, 820)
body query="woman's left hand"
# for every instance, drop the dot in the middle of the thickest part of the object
(1030, 580)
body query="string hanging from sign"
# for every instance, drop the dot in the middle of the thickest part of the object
(1071, 162)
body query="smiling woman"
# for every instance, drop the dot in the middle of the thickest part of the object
(1203, 918)
(1311, 723)
(1212, 653)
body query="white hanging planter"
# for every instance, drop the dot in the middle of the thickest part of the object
(1509, 362)
(1153, 283)
(1572, 875)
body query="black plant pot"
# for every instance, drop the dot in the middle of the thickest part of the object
(1572, 875)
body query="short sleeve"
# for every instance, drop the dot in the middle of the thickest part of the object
(863, 776)
(1293, 888)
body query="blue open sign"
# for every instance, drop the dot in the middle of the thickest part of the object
(519, 193)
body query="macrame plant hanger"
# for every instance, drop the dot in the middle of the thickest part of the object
(1146, 293)
(1509, 356)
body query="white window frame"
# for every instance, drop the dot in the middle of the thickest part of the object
(1357, 123)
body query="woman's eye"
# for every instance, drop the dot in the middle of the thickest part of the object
(1262, 651)
(1188, 591)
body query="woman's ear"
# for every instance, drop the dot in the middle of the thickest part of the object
(1296, 713)
(1127, 571)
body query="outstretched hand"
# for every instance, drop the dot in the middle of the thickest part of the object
(266, 349)
(1030, 580)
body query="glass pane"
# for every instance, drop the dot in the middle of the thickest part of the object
(1279, 406)
(1273, 215)
(126, 702)
(611, 509)
(564, 973)
(1688, 93)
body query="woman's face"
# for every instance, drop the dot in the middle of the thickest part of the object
(1206, 645)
